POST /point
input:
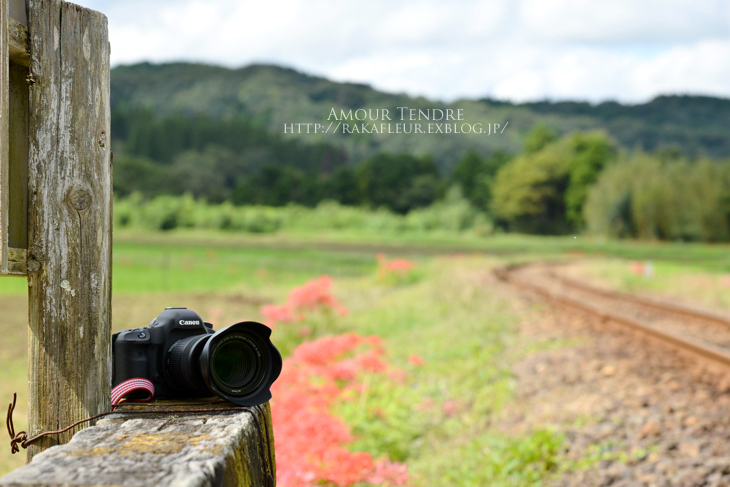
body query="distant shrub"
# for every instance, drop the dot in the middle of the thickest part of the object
(170, 212)
(165, 212)
(645, 197)
(453, 213)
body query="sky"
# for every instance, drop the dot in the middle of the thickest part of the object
(518, 50)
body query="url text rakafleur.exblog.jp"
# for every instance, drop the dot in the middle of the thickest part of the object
(407, 121)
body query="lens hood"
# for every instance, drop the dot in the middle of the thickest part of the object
(240, 363)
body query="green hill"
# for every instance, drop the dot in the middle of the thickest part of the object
(696, 125)
(219, 134)
(268, 97)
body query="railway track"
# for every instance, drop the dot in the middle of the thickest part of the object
(699, 332)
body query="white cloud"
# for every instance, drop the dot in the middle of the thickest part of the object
(698, 68)
(624, 21)
(518, 49)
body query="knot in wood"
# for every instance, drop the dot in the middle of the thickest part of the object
(80, 198)
(33, 266)
(102, 139)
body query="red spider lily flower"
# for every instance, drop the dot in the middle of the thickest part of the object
(314, 295)
(374, 340)
(426, 405)
(276, 314)
(398, 376)
(450, 408)
(326, 349)
(389, 473)
(310, 441)
(395, 270)
(399, 265)
(415, 360)
(371, 362)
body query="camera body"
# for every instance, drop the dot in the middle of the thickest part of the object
(144, 352)
(183, 357)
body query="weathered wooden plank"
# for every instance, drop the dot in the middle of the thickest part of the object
(4, 136)
(13, 163)
(17, 262)
(186, 449)
(18, 158)
(18, 43)
(69, 230)
(13, 143)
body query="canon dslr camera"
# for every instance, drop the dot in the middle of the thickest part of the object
(183, 357)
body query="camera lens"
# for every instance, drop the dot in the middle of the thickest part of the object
(240, 363)
(183, 364)
(237, 364)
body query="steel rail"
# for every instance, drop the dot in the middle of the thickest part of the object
(699, 347)
(651, 303)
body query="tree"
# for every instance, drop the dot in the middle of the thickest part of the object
(272, 185)
(528, 191)
(341, 186)
(590, 152)
(197, 173)
(141, 174)
(399, 182)
(538, 137)
(645, 197)
(475, 176)
(467, 172)
(544, 191)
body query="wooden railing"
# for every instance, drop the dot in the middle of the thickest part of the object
(234, 448)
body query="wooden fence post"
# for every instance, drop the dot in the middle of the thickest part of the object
(69, 217)
(55, 227)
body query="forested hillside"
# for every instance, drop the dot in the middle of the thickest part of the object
(219, 134)
(268, 97)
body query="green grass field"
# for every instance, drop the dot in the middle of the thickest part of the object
(710, 257)
(448, 316)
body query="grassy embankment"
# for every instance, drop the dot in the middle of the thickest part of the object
(689, 283)
(447, 317)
